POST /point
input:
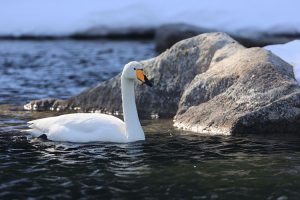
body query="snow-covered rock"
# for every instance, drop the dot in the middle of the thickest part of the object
(290, 52)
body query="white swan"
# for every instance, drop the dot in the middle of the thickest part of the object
(89, 127)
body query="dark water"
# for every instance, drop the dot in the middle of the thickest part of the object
(170, 164)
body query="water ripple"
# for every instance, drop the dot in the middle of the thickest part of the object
(170, 164)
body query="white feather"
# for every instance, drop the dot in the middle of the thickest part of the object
(90, 127)
(80, 127)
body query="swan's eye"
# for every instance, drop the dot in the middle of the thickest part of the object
(134, 68)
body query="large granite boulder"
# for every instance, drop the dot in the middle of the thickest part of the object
(249, 91)
(208, 83)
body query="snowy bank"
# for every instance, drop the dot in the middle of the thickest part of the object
(67, 17)
(290, 52)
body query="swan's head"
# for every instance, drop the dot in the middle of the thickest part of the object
(135, 70)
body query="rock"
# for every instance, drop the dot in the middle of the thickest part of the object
(98, 32)
(45, 104)
(171, 71)
(168, 34)
(250, 91)
(208, 83)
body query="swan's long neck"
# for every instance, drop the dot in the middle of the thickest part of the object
(134, 130)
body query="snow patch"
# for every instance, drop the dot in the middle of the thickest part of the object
(65, 17)
(290, 52)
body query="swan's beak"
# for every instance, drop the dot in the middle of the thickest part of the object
(142, 77)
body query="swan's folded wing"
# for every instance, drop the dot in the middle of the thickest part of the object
(80, 127)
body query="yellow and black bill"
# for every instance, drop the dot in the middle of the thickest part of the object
(142, 77)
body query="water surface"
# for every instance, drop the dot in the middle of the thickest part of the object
(170, 164)
(61, 68)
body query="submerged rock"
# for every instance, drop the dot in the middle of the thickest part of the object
(208, 83)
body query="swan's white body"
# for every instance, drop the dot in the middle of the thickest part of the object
(80, 127)
(90, 127)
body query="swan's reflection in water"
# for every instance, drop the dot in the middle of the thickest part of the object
(123, 162)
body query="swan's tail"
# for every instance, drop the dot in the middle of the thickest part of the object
(34, 130)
